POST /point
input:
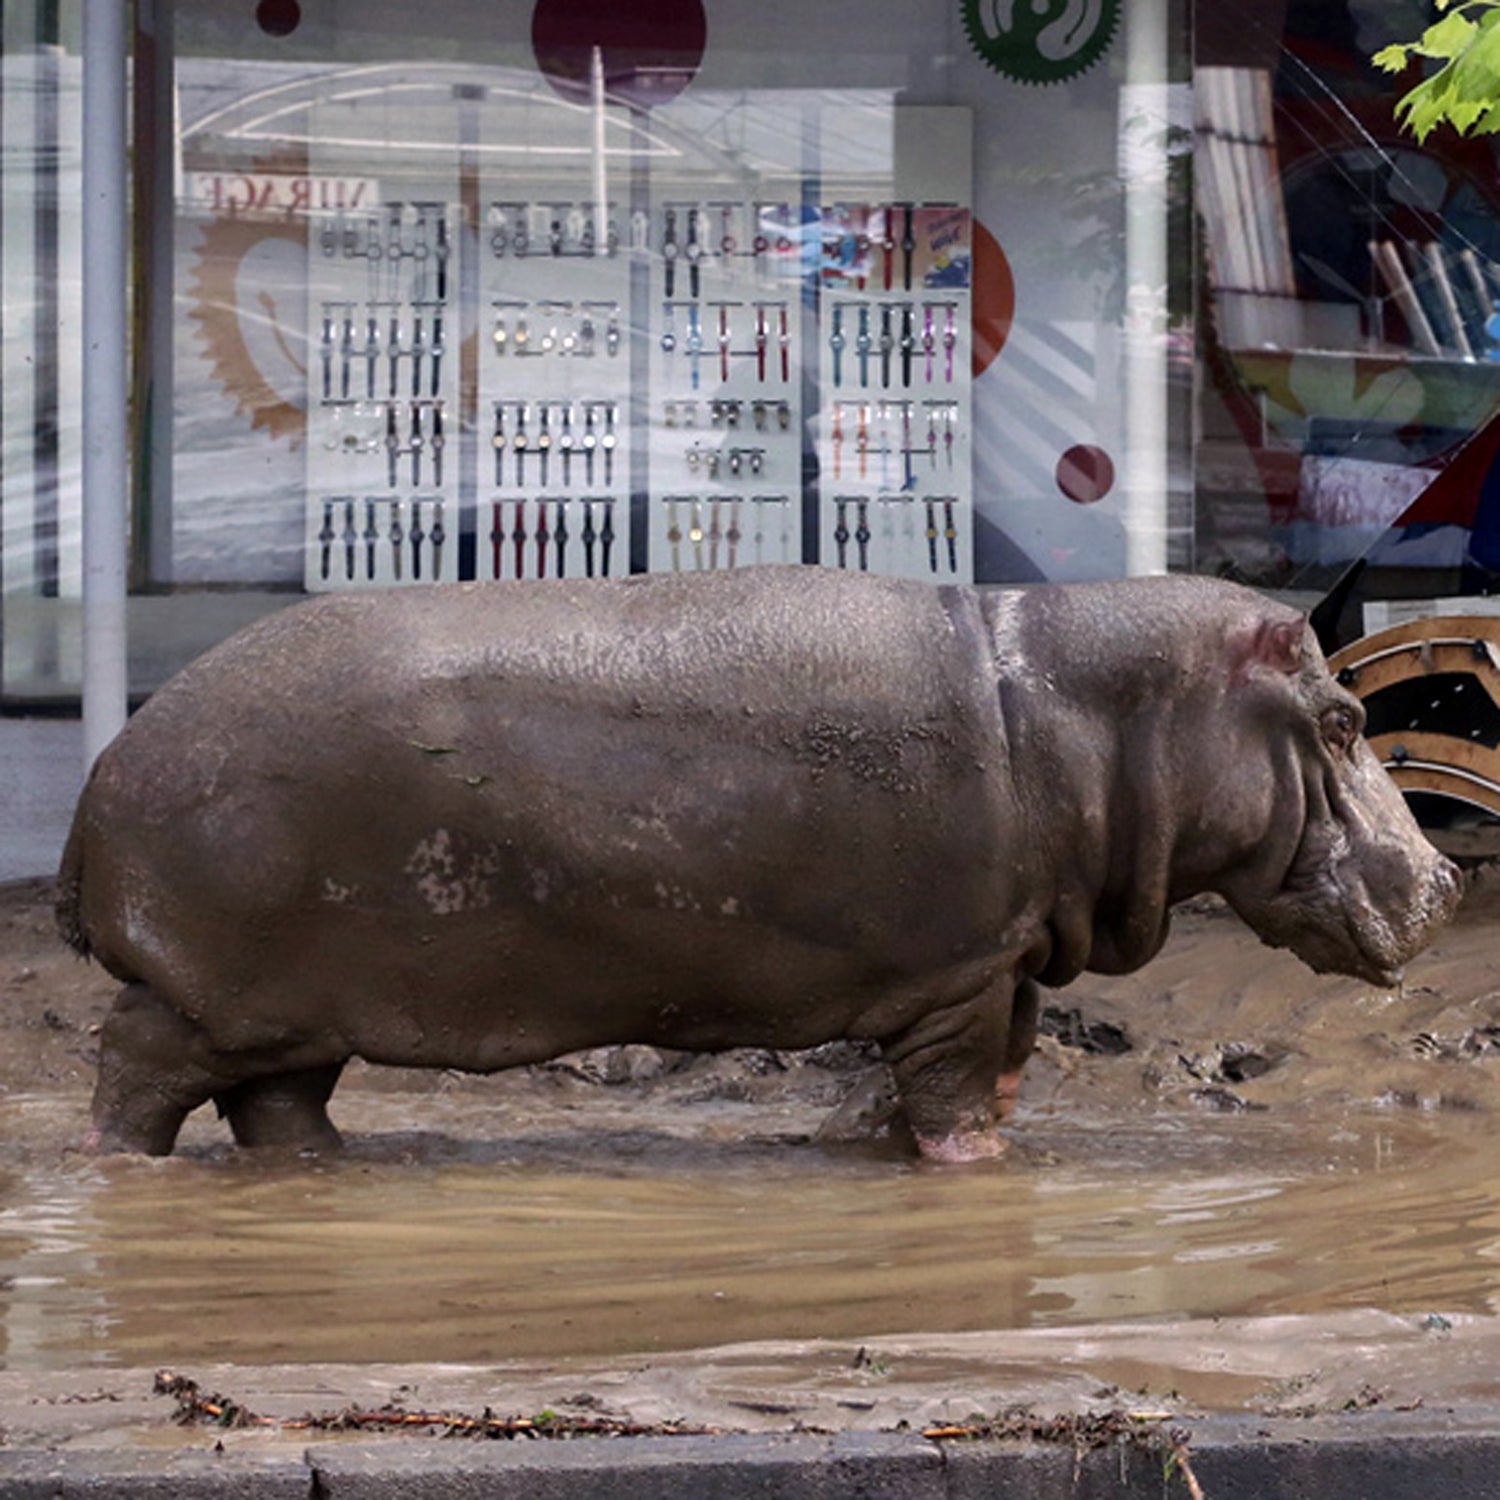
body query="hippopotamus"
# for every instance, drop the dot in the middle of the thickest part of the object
(474, 826)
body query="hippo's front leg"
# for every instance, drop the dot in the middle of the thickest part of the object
(1020, 1043)
(947, 1067)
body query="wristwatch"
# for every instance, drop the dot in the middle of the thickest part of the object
(518, 442)
(669, 251)
(565, 444)
(607, 443)
(544, 441)
(694, 251)
(497, 442)
(589, 443)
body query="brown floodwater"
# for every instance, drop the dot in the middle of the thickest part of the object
(441, 1247)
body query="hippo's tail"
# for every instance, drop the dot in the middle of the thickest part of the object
(67, 901)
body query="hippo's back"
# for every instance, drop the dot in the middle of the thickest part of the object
(553, 748)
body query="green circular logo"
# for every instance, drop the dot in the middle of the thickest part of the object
(1041, 41)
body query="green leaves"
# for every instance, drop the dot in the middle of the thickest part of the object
(1465, 90)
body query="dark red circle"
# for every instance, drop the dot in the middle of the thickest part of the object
(278, 17)
(1085, 473)
(651, 48)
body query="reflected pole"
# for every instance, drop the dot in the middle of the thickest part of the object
(601, 188)
(106, 487)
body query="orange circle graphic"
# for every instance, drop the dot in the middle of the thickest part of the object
(994, 298)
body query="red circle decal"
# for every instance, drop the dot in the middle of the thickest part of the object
(1085, 473)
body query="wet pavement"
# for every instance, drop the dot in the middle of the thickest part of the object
(1264, 1208)
(625, 1239)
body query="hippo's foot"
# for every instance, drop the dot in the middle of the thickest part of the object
(962, 1146)
(286, 1111)
(154, 1070)
(947, 1066)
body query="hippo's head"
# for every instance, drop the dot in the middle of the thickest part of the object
(1342, 874)
(1197, 727)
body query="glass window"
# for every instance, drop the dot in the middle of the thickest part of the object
(477, 292)
(1350, 278)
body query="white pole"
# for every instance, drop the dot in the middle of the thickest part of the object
(105, 476)
(1144, 169)
(601, 189)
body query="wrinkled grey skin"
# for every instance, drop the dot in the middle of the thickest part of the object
(473, 826)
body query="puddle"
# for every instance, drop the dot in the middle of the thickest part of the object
(437, 1249)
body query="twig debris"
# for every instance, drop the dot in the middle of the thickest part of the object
(195, 1406)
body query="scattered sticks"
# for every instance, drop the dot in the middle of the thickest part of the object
(194, 1406)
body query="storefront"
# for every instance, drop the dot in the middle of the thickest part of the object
(951, 289)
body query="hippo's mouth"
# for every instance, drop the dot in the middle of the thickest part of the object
(1325, 935)
(1365, 915)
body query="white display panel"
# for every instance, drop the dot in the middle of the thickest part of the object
(725, 412)
(895, 424)
(382, 379)
(553, 410)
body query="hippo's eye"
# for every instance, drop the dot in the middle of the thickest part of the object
(1340, 727)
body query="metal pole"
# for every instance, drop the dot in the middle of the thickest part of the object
(106, 488)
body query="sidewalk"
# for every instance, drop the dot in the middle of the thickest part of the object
(1397, 1456)
(41, 773)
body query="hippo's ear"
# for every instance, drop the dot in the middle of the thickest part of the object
(1275, 645)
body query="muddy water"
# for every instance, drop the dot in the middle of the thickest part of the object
(446, 1248)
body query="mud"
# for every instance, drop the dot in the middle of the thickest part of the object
(1231, 1184)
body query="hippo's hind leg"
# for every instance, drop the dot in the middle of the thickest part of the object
(947, 1066)
(285, 1110)
(154, 1070)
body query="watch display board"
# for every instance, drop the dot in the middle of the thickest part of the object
(382, 393)
(382, 379)
(505, 382)
(725, 406)
(894, 356)
(554, 390)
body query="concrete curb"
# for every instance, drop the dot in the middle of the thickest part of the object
(1368, 1457)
